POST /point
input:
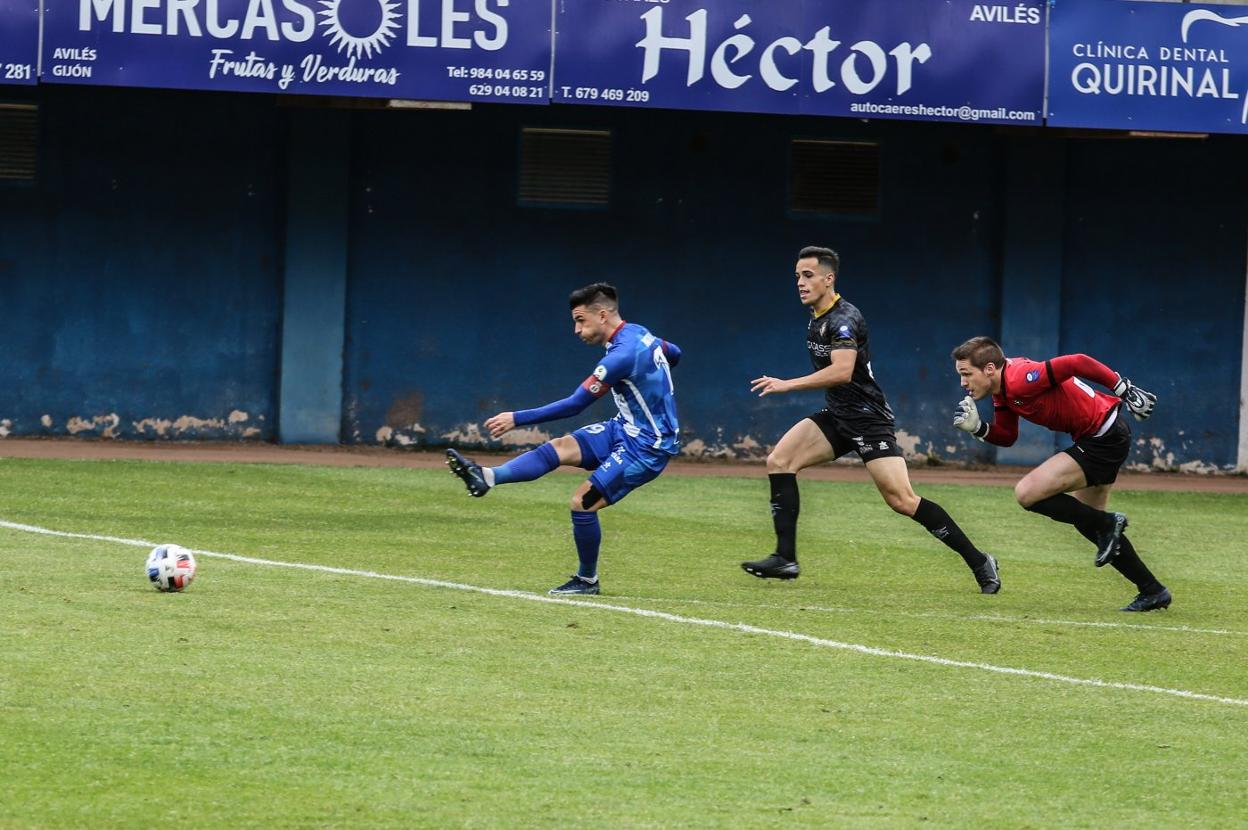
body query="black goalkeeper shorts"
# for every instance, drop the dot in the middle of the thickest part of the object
(1101, 458)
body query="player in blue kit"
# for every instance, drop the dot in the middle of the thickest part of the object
(624, 453)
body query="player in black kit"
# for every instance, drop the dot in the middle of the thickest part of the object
(857, 418)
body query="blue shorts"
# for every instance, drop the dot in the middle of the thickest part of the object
(620, 464)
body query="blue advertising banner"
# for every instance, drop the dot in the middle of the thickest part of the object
(446, 50)
(1149, 66)
(948, 61)
(19, 41)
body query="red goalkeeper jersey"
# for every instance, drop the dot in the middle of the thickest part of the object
(1052, 394)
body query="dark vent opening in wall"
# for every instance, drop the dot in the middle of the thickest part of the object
(840, 177)
(565, 167)
(19, 131)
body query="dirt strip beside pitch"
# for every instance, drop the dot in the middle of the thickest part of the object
(363, 456)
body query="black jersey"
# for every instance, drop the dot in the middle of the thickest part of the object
(842, 327)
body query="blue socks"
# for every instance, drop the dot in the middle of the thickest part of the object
(586, 531)
(528, 466)
(588, 535)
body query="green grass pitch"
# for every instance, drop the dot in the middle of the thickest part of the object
(268, 697)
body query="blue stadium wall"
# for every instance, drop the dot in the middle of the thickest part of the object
(140, 282)
(194, 265)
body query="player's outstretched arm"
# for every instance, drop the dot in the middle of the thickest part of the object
(573, 404)
(840, 371)
(500, 424)
(1139, 401)
(591, 389)
(1080, 365)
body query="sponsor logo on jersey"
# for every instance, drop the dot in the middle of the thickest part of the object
(883, 445)
(1033, 376)
(843, 331)
(600, 372)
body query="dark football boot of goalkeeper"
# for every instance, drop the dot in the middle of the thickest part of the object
(1149, 602)
(1109, 539)
(469, 473)
(773, 567)
(988, 575)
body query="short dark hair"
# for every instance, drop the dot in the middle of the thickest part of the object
(827, 257)
(980, 351)
(599, 293)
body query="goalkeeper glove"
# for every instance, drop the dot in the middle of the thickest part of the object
(966, 418)
(1140, 402)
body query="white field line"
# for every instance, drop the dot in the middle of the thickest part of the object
(661, 615)
(936, 615)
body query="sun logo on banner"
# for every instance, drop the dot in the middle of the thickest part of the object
(379, 15)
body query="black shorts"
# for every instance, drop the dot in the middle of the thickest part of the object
(1101, 458)
(871, 438)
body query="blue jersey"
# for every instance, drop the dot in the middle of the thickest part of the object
(636, 371)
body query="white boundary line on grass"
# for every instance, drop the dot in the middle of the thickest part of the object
(658, 615)
(935, 615)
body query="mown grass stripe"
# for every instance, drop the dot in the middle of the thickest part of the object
(662, 615)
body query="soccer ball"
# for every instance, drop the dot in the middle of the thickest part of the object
(170, 568)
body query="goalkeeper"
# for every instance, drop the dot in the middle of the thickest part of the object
(1053, 394)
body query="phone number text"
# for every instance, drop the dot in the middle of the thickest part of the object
(506, 91)
(591, 93)
(491, 73)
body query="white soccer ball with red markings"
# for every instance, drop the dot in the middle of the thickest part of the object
(170, 568)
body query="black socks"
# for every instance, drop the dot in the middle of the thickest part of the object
(1069, 510)
(1129, 564)
(785, 505)
(1088, 520)
(939, 523)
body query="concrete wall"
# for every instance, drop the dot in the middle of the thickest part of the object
(189, 256)
(457, 300)
(1153, 279)
(140, 290)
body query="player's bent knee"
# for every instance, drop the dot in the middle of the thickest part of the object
(905, 505)
(568, 450)
(1025, 496)
(777, 463)
(588, 500)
